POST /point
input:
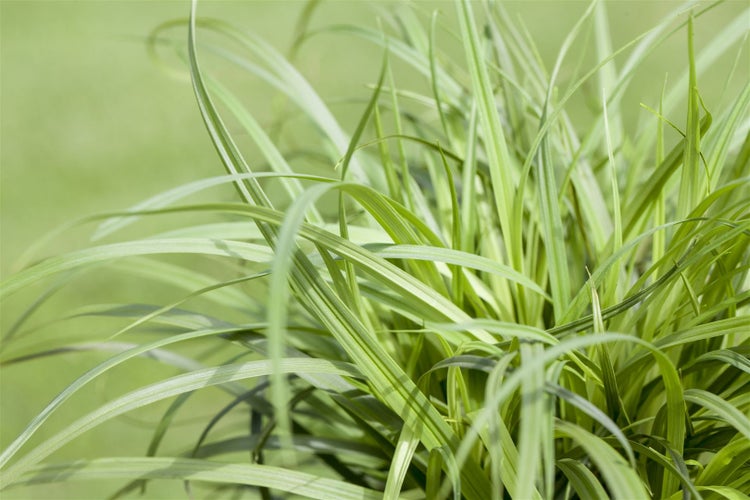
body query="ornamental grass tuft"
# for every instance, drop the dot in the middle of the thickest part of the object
(477, 290)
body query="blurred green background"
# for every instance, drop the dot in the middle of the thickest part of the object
(89, 123)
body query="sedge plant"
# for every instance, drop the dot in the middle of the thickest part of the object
(473, 294)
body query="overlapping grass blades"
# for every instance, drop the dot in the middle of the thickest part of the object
(500, 302)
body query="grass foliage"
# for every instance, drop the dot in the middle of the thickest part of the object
(474, 295)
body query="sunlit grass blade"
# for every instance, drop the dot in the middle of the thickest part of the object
(723, 409)
(693, 177)
(94, 255)
(532, 413)
(582, 480)
(165, 389)
(501, 167)
(622, 481)
(402, 459)
(297, 483)
(725, 464)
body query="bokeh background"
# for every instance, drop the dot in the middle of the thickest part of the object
(90, 123)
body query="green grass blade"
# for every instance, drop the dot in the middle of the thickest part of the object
(166, 389)
(623, 482)
(402, 459)
(581, 479)
(532, 413)
(89, 256)
(691, 180)
(501, 167)
(722, 408)
(262, 476)
(725, 491)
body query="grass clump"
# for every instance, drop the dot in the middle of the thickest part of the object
(474, 294)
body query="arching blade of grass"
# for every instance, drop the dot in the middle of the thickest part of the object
(91, 375)
(201, 246)
(725, 491)
(674, 464)
(581, 479)
(168, 197)
(114, 222)
(623, 482)
(723, 409)
(166, 389)
(723, 356)
(310, 444)
(705, 331)
(500, 328)
(402, 459)
(263, 476)
(595, 413)
(459, 258)
(724, 465)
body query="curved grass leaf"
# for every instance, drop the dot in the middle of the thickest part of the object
(168, 388)
(581, 479)
(89, 256)
(723, 409)
(623, 482)
(262, 476)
